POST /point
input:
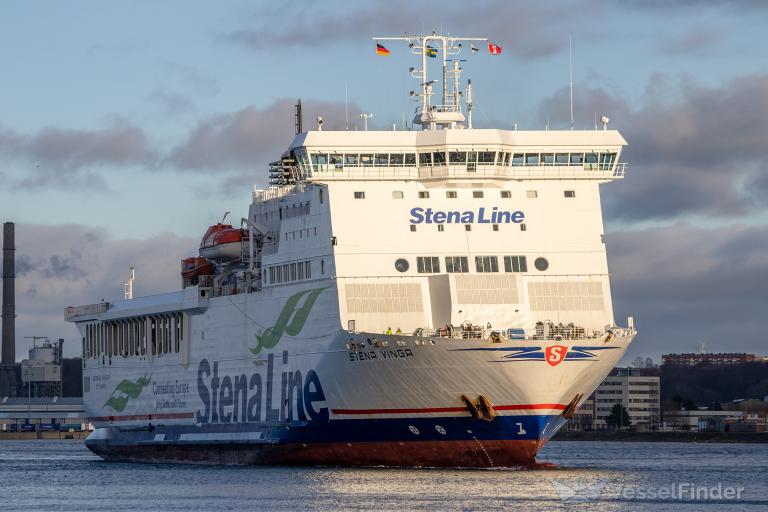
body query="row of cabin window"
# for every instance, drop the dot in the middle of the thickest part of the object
(468, 227)
(128, 337)
(304, 232)
(288, 272)
(469, 158)
(460, 264)
(476, 194)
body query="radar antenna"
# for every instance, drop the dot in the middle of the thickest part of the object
(448, 114)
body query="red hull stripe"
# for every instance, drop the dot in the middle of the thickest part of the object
(134, 417)
(184, 415)
(516, 407)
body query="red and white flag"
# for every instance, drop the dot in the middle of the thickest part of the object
(494, 49)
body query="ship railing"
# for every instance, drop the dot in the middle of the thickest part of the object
(272, 193)
(553, 333)
(439, 108)
(89, 309)
(342, 172)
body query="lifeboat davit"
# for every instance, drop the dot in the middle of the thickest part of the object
(222, 242)
(194, 267)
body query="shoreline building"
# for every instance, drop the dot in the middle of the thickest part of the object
(714, 359)
(636, 389)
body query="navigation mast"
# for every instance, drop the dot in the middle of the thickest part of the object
(444, 115)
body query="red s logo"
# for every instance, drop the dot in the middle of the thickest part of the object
(555, 354)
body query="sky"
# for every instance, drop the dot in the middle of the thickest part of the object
(126, 128)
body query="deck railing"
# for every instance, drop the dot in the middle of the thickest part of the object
(598, 171)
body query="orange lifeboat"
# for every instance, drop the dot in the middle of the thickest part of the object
(194, 267)
(222, 242)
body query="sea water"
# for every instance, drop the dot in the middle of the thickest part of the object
(64, 475)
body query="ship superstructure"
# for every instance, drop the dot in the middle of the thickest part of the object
(437, 297)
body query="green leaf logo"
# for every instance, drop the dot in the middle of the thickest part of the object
(291, 320)
(126, 391)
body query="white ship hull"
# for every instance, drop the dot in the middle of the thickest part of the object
(328, 396)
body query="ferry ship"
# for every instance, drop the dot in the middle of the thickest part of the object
(432, 297)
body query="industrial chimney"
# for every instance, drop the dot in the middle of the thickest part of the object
(9, 295)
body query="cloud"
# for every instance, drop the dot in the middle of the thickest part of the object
(190, 77)
(67, 157)
(697, 41)
(687, 284)
(693, 149)
(171, 103)
(524, 29)
(72, 264)
(251, 137)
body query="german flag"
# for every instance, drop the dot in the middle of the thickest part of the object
(380, 50)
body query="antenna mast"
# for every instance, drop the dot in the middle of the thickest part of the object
(430, 116)
(299, 118)
(129, 285)
(570, 75)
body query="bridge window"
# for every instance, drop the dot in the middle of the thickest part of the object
(438, 158)
(336, 161)
(410, 159)
(471, 162)
(366, 160)
(425, 159)
(396, 159)
(486, 158)
(381, 159)
(487, 263)
(319, 159)
(350, 160)
(531, 159)
(561, 159)
(457, 157)
(547, 159)
(577, 158)
(515, 264)
(606, 160)
(428, 264)
(518, 159)
(456, 264)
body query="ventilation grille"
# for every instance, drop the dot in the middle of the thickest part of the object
(566, 296)
(487, 289)
(384, 298)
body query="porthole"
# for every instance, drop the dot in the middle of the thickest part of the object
(541, 264)
(401, 265)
